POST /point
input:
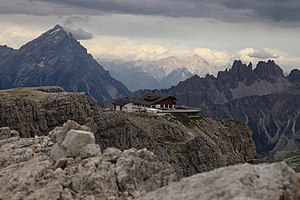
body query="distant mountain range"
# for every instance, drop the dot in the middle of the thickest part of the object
(264, 98)
(145, 75)
(158, 74)
(56, 58)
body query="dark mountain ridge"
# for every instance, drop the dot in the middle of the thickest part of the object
(262, 97)
(239, 81)
(57, 58)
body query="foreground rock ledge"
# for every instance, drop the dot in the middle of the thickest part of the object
(247, 182)
(30, 168)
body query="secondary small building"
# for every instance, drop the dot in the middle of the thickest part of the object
(123, 105)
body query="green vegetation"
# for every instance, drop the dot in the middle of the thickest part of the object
(184, 119)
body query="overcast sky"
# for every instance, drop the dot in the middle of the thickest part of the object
(218, 30)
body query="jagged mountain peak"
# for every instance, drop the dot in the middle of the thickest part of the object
(181, 69)
(268, 70)
(294, 76)
(5, 51)
(269, 67)
(56, 30)
(53, 39)
(57, 26)
(239, 81)
(177, 75)
(242, 72)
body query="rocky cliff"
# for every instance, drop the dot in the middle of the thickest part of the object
(57, 58)
(190, 145)
(274, 119)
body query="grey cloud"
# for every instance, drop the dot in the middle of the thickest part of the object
(70, 20)
(273, 10)
(263, 54)
(229, 10)
(79, 33)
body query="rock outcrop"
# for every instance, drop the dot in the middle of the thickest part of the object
(36, 111)
(28, 172)
(251, 182)
(202, 145)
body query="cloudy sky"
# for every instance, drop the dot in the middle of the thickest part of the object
(217, 30)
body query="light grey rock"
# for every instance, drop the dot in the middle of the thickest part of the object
(61, 163)
(75, 140)
(128, 177)
(71, 142)
(89, 150)
(49, 191)
(111, 154)
(58, 152)
(248, 182)
(58, 134)
(15, 150)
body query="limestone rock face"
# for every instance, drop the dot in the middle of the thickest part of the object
(36, 111)
(194, 146)
(29, 174)
(251, 182)
(200, 145)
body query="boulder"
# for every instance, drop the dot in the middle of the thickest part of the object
(251, 182)
(72, 143)
(75, 140)
(58, 134)
(89, 150)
